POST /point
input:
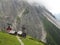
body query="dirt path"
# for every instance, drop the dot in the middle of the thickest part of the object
(20, 40)
(14, 23)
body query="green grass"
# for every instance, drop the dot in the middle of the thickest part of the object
(28, 41)
(6, 39)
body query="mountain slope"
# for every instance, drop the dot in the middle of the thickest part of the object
(37, 20)
(52, 32)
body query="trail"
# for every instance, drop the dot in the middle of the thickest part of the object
(20, 40)
(20, 15)
(14, 23)
(14, 26)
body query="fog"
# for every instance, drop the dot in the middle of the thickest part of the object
(52, 5)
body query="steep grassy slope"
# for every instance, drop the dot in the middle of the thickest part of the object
(6, 39)
(30, 41)
(53, 33)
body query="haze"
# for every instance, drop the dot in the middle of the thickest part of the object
(52, 5)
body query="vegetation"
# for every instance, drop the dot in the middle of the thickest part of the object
(26, 11)
(30, 41)
(6, 39)
(53, 36)
(18, 19)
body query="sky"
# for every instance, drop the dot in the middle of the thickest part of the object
(52, 5)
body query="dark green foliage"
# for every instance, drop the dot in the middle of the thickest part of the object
(53, 33)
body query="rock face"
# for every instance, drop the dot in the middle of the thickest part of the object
(19, 13)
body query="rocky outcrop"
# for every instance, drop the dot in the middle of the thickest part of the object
(19, 13)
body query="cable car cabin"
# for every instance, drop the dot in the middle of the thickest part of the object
(9, 29)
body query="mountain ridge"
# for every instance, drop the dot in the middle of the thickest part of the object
(37, 20)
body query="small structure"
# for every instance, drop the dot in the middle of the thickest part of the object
(19, 33)
(23, 30)
(24, 35)
(9, 29)
(12, 32)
